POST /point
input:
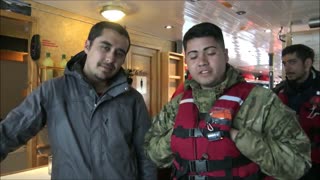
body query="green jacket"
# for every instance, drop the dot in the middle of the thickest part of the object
(269, 132)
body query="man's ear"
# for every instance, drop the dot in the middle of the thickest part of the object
(308, 63)
(87, 46)
(226, 54)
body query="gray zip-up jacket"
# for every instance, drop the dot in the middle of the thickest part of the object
(91, 136)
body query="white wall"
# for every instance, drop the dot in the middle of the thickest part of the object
(312, 39)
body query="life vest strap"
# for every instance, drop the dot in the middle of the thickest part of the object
(256, 176)
(187, 133)
(215, 134)
(200, 166)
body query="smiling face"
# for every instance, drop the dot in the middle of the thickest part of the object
(296, 69)
(206, 60)
(105, 55)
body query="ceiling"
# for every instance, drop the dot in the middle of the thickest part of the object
(245, 36)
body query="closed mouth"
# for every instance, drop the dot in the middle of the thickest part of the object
(106, 66)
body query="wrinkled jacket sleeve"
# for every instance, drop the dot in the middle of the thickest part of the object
(22, 123)
(157, 140)
(270, 135)
(147, 169)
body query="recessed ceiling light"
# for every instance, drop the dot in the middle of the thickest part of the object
(243, 28)
(241, 12)
(168, 27)
(226, 4)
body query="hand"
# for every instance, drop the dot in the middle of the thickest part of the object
(233, 133)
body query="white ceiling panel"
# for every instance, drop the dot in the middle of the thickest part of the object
(245, 36)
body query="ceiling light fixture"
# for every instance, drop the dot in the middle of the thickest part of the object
(168, 27)
(226, 4)
(113, 12)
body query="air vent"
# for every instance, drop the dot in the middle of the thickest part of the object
(13, 44)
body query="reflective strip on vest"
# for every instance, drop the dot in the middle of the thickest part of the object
(232, 98)
(190, 100)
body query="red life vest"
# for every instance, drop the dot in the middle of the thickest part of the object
(201, 142)
(309, 119)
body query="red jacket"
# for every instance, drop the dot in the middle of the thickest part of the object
(309, 119)
(305, 101)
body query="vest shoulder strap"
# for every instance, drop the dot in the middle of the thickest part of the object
(233, 98)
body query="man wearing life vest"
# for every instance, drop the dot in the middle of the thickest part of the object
(221, 127)
(301, 92)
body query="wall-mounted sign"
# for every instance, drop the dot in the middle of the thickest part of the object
(141, 84)
(48, 43)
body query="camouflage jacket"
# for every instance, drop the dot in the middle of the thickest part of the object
(269, 133)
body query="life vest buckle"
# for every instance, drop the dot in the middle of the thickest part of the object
(197, 177)
(196, 133)
(198, 166)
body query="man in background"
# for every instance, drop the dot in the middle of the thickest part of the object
(96, 121)
(301, 92)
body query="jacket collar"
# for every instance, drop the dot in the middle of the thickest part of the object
(293, 88)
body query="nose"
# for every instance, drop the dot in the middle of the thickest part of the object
(203, 61)
(110, 57)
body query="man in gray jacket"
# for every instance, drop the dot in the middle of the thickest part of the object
(96, 121)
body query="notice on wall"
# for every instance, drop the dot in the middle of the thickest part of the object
(141, 84)
(48, 43)
(311, 39)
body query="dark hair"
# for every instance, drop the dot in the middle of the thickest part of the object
(303, 52)
(204, 29)
(97, 29)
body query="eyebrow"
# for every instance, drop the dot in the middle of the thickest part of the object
(292, 59)
(193, 51)
(210, 47)
(109, 44)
